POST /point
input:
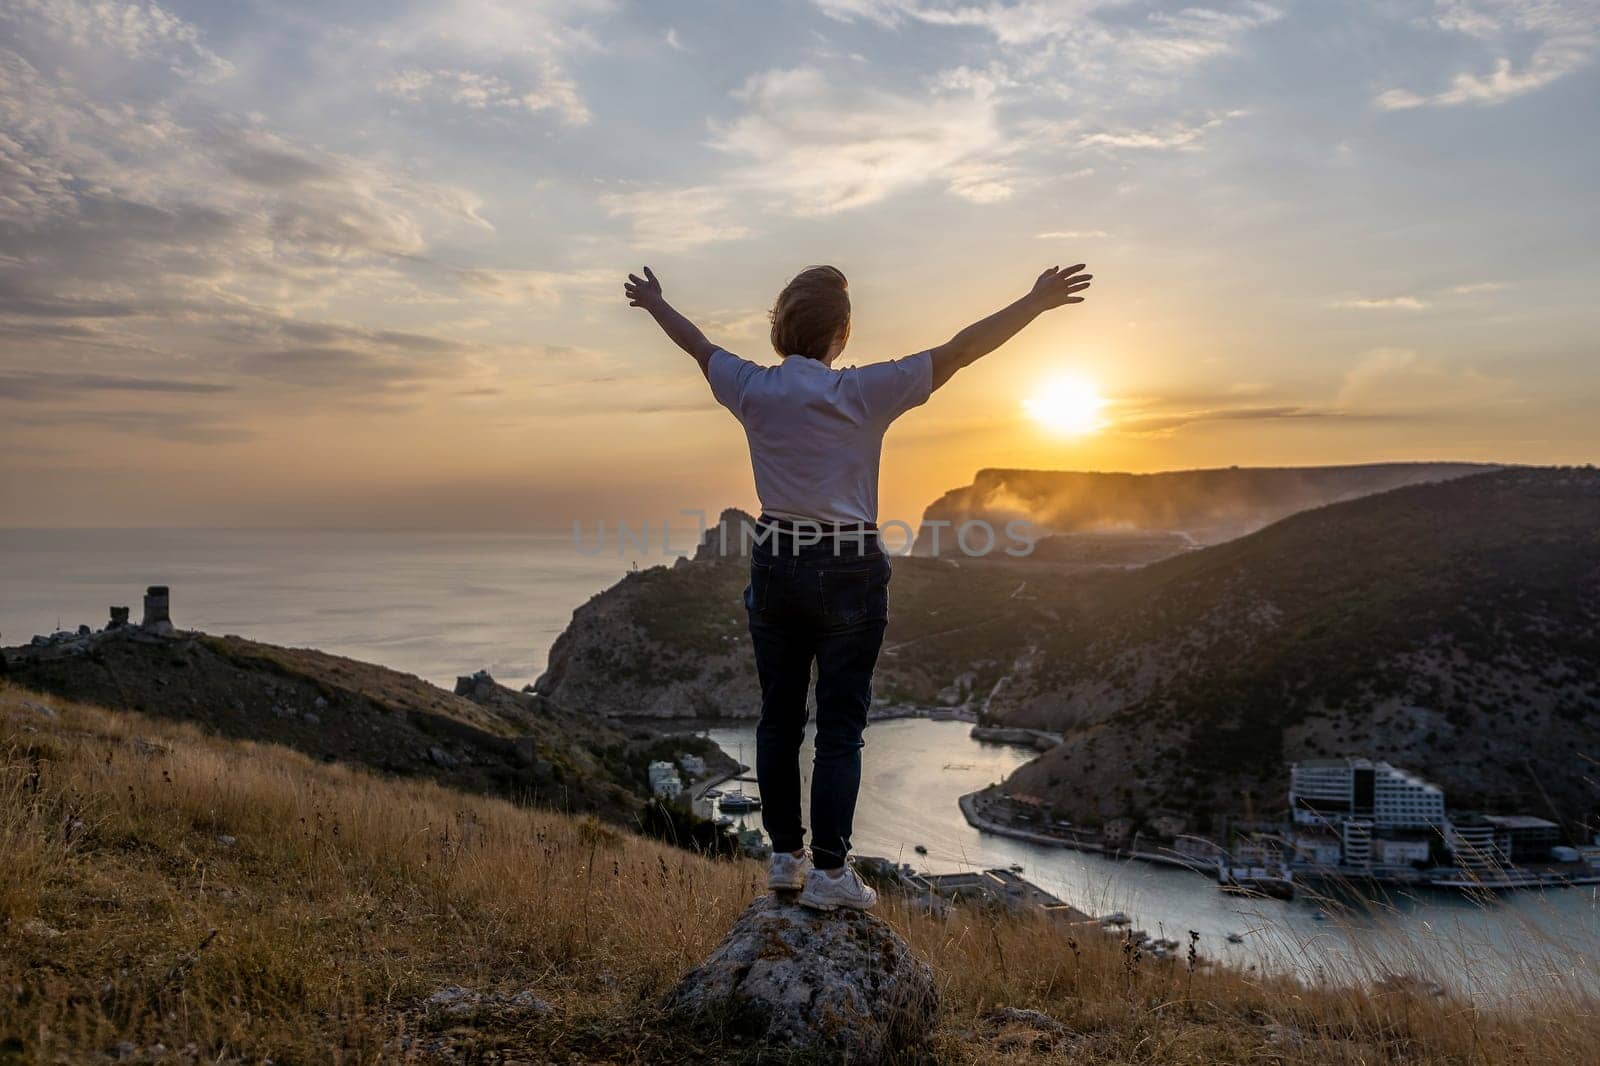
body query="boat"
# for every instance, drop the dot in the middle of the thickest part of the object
(1274, 881)
(1115, 918)
(738, 801)
(712, 793)
(1235, 938)
(1015, 867)
(724, 821)
(921, 849)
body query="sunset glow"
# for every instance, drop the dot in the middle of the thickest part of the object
(1069, 405)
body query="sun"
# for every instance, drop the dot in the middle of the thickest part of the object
(1067, 405)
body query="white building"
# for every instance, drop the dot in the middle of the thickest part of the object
(664, 780)
(1332, 791)
(693, 765)
(1470, 839)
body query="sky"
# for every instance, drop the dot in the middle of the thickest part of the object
(359, 264)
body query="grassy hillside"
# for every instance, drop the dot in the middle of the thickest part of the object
(334, 708)
(169, 895)
(1453, 628)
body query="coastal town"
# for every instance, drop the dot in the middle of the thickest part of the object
(1350, 820)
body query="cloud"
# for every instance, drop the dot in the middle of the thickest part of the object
(1086, 36)
(542, 288)
(485, 55)
(1168, 423)
(821, 145)
(1383, 303)
(1172, 135)
(132, 30)
(30, 385)
(171, 233)
(1558, 37)
(677, 218)
(182, 427)
(479, 91)
(1395, 379)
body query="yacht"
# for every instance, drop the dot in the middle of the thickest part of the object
(738, 801)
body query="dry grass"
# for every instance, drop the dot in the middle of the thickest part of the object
(344, 900)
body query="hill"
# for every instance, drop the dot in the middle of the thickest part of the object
(1452, 628)
(672, 642)
(1447, 626)
(170, 895)
(1191, 507)
(485, 739)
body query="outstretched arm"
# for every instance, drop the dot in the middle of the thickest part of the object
(1054, 288)
(645, 292)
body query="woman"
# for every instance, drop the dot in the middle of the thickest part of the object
(819, 578)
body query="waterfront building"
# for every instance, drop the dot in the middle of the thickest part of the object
(664, 780)
(1470, 838)
(1401, 852)
(1318, 846)
(1356, 838)
(1330, 791)
(693, 765)
(1204, 852)
(1522, 837)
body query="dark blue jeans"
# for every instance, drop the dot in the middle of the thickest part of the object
(826, 604)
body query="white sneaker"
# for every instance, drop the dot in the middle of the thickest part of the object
(787, 872)
(824, 892)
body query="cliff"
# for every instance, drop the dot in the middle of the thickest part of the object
(1191, 507)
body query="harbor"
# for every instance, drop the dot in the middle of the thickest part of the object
(1352, 822)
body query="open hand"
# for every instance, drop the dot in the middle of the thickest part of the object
(1056, 286)
(642, 292)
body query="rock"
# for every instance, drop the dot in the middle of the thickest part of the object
(227, 841)
(148, 748)
(1033, 1019)
(311, 718)
(730, 538)
(320, 704)
(84, 631)
(35, 928)
(791, 977)
(526, 1000)
(456, 1002)
(442, 759)
(281, 711)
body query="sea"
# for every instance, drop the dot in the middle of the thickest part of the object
(443, 605)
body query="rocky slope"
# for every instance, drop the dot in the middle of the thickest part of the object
(671, 642)
(1452, 628)
(1189, 506)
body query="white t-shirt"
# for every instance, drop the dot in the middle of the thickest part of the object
(816, 433)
